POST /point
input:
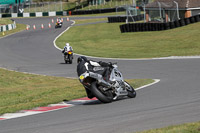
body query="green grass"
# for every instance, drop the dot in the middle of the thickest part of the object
(184, 128)
(106, 40)
(5, 21)
(20, 91)
(83, 21)
(20, 27)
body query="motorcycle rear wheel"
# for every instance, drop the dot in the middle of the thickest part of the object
(70, 59)
(105, 97)
(131, 91)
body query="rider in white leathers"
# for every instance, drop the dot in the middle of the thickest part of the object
(68, 48)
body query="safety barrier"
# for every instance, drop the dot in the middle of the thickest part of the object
(118, 19)
(140, 27)
(7, 27)
(59, 13)
(36, 14)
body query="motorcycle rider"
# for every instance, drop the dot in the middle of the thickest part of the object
(67, 48)
(59, 20)
(100, 67)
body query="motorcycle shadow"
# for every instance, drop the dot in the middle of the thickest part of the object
(92, 102)
(62, 63)
(95, 102)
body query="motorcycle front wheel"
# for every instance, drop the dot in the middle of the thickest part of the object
(105, 97)
(131, 91)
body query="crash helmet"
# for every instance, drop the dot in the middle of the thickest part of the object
(67, 44)
(81, 58)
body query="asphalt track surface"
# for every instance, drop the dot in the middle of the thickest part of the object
(174, 100)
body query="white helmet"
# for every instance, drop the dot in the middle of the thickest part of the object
(67, 44)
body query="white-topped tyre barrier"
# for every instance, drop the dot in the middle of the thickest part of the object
(8, 27)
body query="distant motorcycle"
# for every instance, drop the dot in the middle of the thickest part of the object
(58, 25)
(68, 57)
(105, 89)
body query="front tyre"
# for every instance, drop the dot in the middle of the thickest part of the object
(131, 91)
(105, 97)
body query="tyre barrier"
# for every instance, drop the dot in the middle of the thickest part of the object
(192, 20)
(182, 22)
(177, 24)
(197, 18)
(7, 27)
(118, 19)
(140, 27)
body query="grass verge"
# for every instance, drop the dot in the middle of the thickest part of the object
(20, 91)
(84, 21)
(183, 41)
(20, 27)
(183, 128)
(5, 21)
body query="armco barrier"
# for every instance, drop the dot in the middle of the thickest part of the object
(32, 14)
(26, 14)
(6, 15)
(140, 27)
(38, 14)
(61, 14)
(20, 14)
(45, 14)
(52, 14)
(14, 15)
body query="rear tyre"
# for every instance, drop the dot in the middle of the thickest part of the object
(105, 97)
(131, 91)
(65, 59)
(70, 59)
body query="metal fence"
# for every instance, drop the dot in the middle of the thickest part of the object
(165, 11)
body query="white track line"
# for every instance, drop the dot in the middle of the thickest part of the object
(54, 42)
(160, 58)
(155, 81)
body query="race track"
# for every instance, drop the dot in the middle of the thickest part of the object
(174, 100)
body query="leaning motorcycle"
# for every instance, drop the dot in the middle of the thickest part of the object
(68, 57)
(58, 25)
(105, 89)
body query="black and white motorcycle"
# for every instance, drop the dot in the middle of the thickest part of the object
(105, 82)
